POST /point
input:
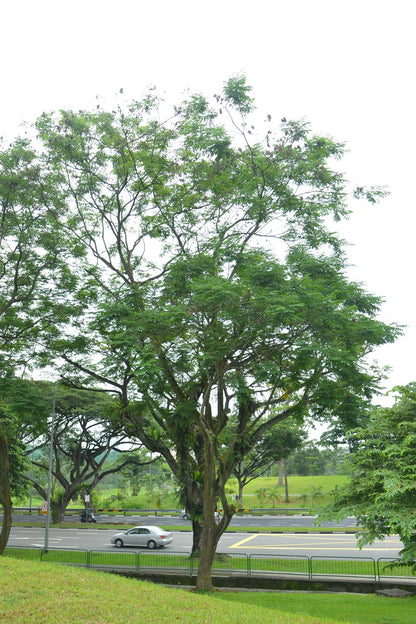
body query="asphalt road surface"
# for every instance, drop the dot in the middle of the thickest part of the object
(267, 521)
(333, 545)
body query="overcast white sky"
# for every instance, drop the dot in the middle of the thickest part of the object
(347, 67)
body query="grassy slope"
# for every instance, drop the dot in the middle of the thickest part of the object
(297, 487)
(357, 608)
(45, 594)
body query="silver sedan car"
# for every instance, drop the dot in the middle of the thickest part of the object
(149, 536)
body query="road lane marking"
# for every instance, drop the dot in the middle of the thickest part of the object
(244, 541)
(266, 547)
(312, 544)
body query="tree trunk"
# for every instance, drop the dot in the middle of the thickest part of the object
(196, 536)
(210, 531)
(286, 483)
(281, 472)
(58, 511)
(5, 496)
(209, 541)
(240, 494)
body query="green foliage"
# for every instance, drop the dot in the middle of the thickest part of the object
(33, 254)
(273, 495)
(277, 444)
(382, 491)
(23, 414)
(261, 496)
(310, 459)
(13, 463)
(236, 93)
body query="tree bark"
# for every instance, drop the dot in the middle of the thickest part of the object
(196, 536)
(209, 541)
(240, 494)
(281, 472)
(5, 496)
(58, 511)
(286, 483)
(211, 532)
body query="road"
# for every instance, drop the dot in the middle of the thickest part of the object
(248, 521)
(334, 545)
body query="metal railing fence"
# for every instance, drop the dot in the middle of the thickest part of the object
(316, 567)
(279, 564)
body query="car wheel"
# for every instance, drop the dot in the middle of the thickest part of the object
(185, 516)
(118, 543)
(151, 544)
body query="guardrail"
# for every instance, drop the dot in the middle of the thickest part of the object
(78, 510)
(310, 568)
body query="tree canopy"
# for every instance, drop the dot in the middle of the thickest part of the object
(382, 492)
(208, 290)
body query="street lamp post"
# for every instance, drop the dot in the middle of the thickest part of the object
(48, 499)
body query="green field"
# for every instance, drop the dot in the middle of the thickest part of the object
(301, 490)
(306, 492)
(46, 593)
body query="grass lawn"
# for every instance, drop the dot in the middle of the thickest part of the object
(298, 487)
(357, 608)
(32, 593)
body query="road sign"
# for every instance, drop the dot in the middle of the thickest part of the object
(87, 498)
(44, 507)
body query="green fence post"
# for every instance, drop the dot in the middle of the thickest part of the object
(310, 570)
(138, 561)
(249, 565)
(88, 558)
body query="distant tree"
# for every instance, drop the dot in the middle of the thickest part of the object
(312, 459)
(136, 472)
(382, 492)
(84, 436)
(316, 495)
(273, 494)
(276, 444)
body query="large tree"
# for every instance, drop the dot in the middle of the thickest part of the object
(382, 490)
(217, 292)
